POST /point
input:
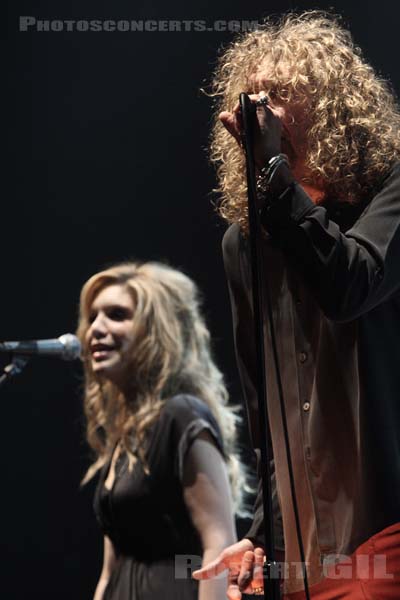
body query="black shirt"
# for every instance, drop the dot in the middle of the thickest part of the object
(334, 277)
(144, 513)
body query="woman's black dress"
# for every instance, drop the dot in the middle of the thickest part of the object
(145, 515)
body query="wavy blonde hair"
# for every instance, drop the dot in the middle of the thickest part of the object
(353, 134)
(171, 355)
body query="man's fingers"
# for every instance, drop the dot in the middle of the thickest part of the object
(246, 570)
(230, 122)
(258, 570)
(211, 570)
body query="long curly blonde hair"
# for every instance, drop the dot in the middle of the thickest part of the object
(353, 133)
(171, 355)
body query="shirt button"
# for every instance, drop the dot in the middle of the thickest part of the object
(306, 406)
(303, 357)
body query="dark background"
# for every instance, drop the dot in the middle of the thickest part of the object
(106, 161)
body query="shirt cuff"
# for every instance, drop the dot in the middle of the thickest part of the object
(288, 208)
(256, 535)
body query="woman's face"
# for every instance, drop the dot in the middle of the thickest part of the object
(110, 334)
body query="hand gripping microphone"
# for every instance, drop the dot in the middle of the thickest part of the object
(67, 347)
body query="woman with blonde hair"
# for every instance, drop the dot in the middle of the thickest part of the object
(162, 433)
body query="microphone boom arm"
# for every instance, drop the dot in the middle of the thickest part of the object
(15, 367)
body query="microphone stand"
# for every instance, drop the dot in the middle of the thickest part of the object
(271, 567)
(15, 367)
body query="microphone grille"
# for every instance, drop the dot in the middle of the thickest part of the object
(72, 346)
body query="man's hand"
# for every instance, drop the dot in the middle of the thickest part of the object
(245, 565)
(268, 128)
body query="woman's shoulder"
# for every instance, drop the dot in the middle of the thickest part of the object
(186, 417)
(186, 406)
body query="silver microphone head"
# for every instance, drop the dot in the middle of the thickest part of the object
(72, 346)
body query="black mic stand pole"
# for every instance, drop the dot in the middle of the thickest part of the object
(271, 567)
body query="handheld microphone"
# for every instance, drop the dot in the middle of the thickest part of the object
(67, 347)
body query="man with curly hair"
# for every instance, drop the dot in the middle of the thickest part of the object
(327, 150)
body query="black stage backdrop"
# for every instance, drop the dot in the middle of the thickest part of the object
(106, 161)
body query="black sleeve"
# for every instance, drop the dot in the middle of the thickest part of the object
(188, 417)
(349, 273)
